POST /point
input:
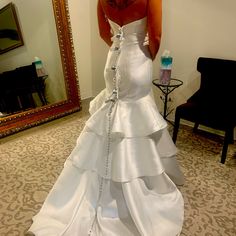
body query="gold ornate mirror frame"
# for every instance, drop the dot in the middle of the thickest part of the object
(23, 120)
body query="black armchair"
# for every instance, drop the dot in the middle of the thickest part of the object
(214, 104)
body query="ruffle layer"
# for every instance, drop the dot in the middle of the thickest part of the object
(129, 158)
(139, 143)
(138, 118)
(98, 101)
(70, 207)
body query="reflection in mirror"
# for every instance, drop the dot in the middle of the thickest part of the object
(10, 34)
(47, 58)
(25, 85)
(23, 88)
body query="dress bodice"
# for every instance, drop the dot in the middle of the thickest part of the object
(133, 31)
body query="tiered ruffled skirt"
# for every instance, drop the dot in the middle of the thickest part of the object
(138, 196)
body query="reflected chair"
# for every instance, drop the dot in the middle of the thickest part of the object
(17, 87)
(214, 104)
(29, 82)
(9, 100)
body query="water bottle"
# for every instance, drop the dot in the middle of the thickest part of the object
(165, 70)
(39, 67)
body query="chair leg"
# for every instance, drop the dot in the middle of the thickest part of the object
(227, 139)
(231, 136)
(176, 128)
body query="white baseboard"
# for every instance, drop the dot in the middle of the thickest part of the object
(204, 128)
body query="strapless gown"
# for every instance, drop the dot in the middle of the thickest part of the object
(120, 178)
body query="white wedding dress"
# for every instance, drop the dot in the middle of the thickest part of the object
(119, 179)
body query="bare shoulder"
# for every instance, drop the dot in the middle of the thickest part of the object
(124, 11)
(120, 4)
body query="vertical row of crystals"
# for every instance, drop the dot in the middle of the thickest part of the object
(119, 37)
(112, 100)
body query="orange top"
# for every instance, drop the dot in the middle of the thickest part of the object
(125, 11)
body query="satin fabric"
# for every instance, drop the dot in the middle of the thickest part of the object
(119, 179)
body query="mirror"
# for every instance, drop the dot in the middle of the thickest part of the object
(65, 99)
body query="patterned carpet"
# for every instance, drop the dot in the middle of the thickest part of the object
(31, 161)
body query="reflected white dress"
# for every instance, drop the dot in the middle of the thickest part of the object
(119, 179)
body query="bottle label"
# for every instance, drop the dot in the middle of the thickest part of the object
(165, 71)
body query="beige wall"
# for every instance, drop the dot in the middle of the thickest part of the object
(191, 28)
(89, 49)
(99, 52)
(37, 24)
(81, 28)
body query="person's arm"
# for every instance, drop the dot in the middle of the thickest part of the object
(103, 25)
(154, 15)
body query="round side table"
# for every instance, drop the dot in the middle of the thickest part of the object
(166, 89)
